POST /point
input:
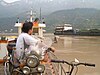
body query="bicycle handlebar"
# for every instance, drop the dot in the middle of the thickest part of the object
(74, 64)
(86, 64)
(60, 61)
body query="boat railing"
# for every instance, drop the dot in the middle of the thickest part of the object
(57, 68)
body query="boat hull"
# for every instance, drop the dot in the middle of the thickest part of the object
(78, 33)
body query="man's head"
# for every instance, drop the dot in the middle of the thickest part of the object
(36, 20)
(27, 27)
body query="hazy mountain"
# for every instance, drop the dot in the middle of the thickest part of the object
(55, 12)
(47, 6)
(82, 18)
(79, 18)
(13, 9)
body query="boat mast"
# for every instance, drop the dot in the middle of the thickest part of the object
(40, 14)
(31, 15)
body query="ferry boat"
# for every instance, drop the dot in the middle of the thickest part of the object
(65, 29)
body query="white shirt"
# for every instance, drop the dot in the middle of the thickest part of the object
(29, 40)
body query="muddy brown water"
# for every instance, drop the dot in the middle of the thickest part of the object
(84, 48)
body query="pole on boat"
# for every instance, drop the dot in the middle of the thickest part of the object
(31, 16)
(39, 26)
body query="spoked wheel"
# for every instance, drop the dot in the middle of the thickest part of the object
(8, 68)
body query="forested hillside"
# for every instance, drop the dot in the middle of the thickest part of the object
(80, 18)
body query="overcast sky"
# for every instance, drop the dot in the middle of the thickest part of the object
(10, 1)
(73, 3)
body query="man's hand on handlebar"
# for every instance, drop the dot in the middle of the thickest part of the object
(52, 49)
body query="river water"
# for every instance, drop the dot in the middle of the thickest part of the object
(84, 48)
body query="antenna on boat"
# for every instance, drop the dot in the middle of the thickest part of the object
(41, 19)
(31, 15)
(40, 14)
